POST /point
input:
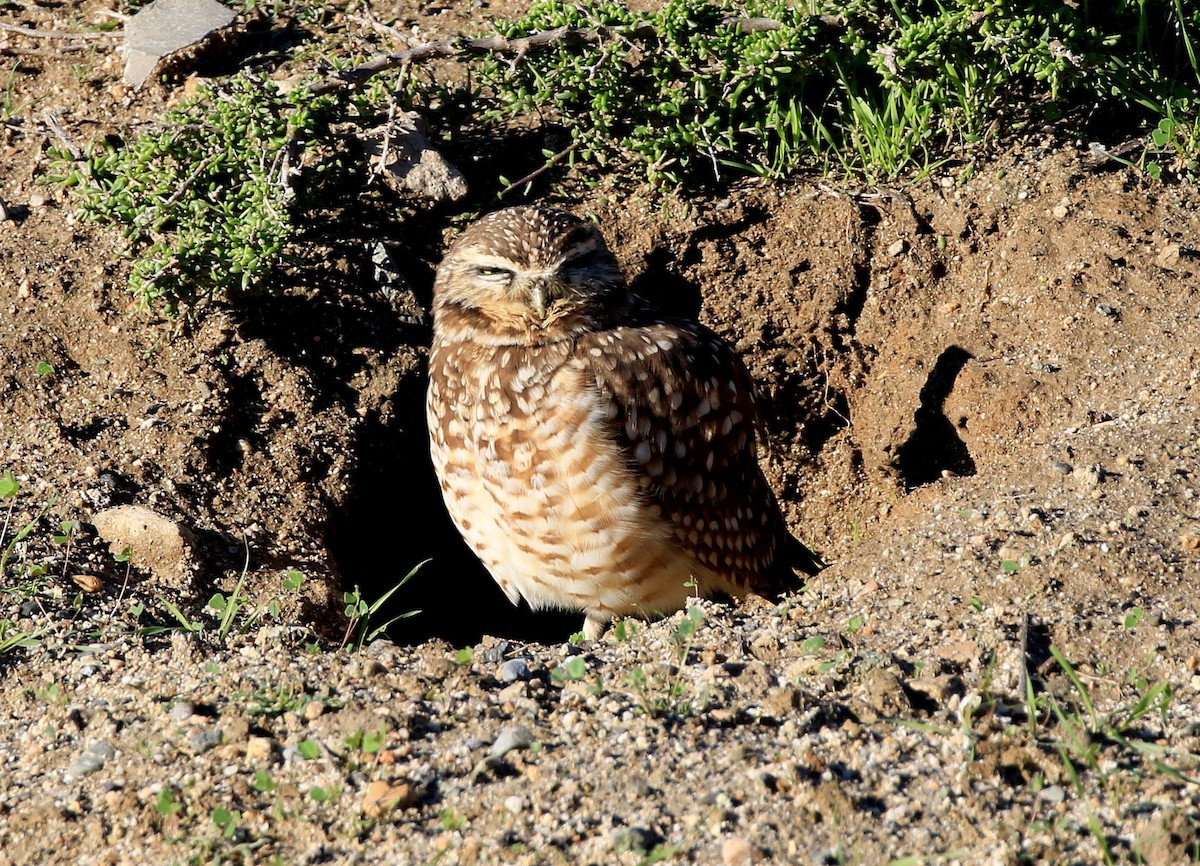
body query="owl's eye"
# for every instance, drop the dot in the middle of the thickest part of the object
(494, 275)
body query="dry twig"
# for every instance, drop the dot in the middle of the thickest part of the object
(559, 37)
(61, 134)
(537, 172)
(53, 34)
(378, 26)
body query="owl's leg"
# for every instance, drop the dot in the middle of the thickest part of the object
(595, 623)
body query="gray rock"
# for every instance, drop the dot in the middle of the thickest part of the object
(182, 711)
(1052, 794)
(203, 740)
(492, 654)
(408, 162)
(93, 759)
(515, 669)
(380, 647)
(165, 28)
(515, 737)
(639, 840)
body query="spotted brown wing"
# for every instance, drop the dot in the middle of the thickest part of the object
(681, 405)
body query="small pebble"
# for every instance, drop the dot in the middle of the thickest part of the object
(1052, 794)
(379, 646)
(736, 851)
(636, 839)
(516, 737)
(204, 740)
(259, 748)
(514, 670)
(381, 798)
(1064, 468)
(494, 653)
(182, 711)
(96, 756)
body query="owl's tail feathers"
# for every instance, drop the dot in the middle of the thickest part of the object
(793, 562)
(799, 557)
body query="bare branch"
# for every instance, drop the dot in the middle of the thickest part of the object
(391, 32)
(560, 37)
(537, 172)
(753, 25)
(53, 34)
(61, 134)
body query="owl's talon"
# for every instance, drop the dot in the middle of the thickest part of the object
(594, 626)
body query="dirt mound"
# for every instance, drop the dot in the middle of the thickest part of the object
(981, 403)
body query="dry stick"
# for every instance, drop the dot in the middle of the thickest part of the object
(754, 25)
(380, 27)
(760, 25)
(147, 217)
(9, 51)
(53, 34)
(559, 37)
(61, 134)
(537, 172)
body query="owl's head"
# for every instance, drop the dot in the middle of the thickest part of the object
(526, 276)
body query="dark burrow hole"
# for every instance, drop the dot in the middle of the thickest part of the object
(396, 519)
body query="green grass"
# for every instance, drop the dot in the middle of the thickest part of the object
(875, 88)
(362, 625)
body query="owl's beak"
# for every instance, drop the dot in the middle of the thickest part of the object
(538, 299)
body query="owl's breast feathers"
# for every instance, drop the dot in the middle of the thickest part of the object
(681, 406)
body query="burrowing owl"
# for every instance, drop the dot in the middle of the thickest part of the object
(596, 454)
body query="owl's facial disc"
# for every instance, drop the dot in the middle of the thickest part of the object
(540, 290)
(535, 274)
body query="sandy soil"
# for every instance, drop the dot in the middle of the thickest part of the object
(981, 400)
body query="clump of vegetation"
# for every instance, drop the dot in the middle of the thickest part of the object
(362, 626)
(207, 200)
(876, 88)
(879, 88)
